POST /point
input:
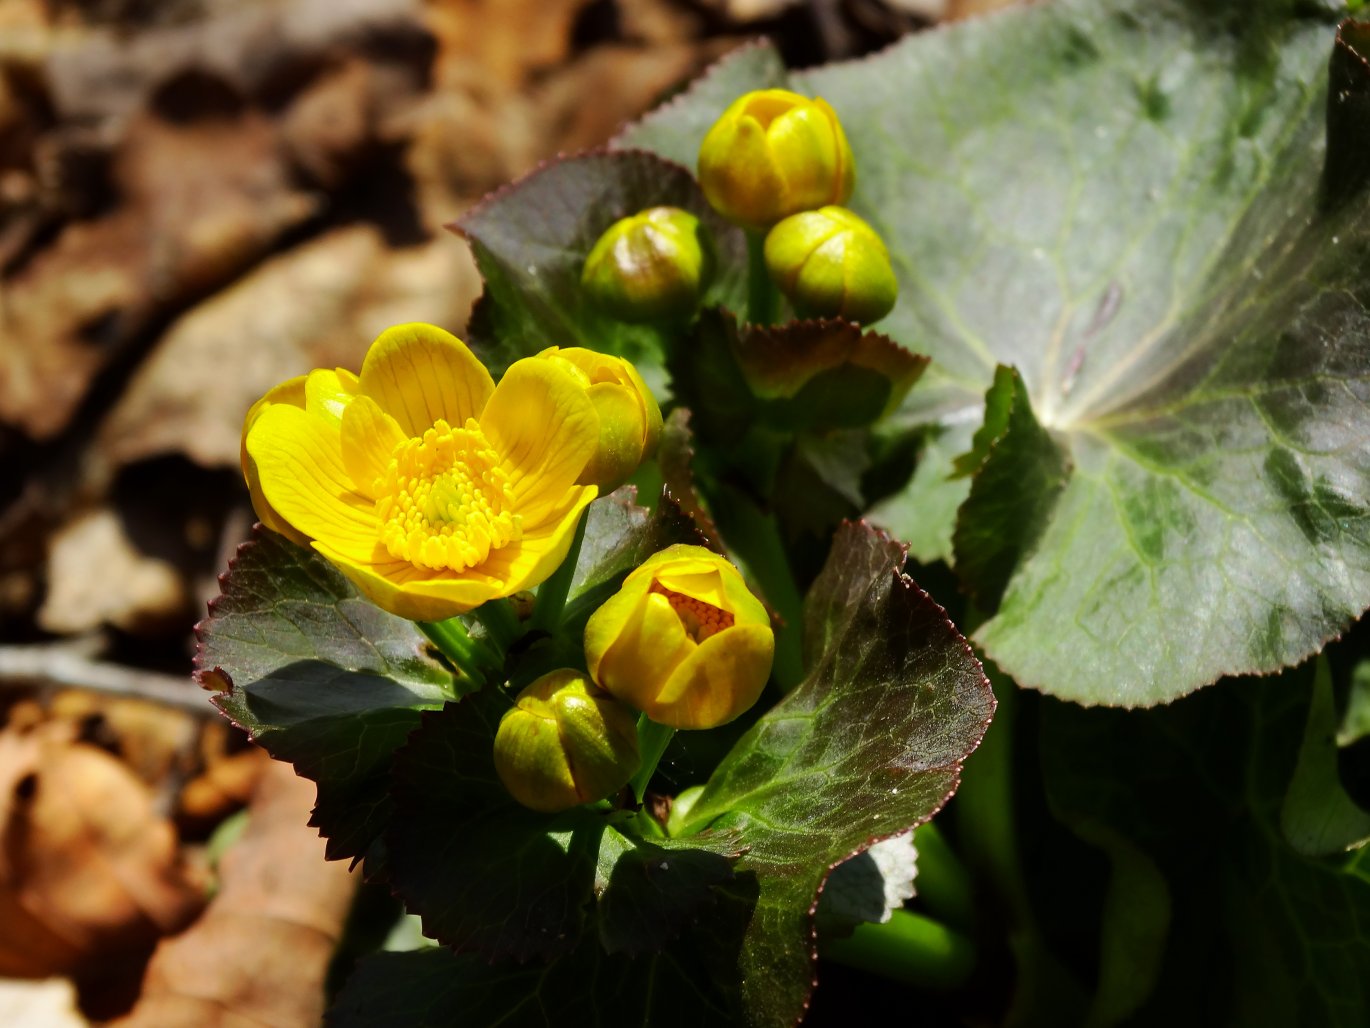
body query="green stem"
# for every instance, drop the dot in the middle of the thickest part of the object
(652, 740)
(470, 656)
(754, 537)
(944, 885)
(551, 599)
(500, 621)
(908, 948)
(761, 305)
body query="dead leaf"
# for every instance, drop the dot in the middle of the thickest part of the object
(50, 1003)
(96, 576)
(510, 40)
(259, 954)
(90, 877)
(318, 305)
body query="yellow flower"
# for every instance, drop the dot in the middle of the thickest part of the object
(629, 419)
(565, 743)
(426, 484)
(831, 264)
(684, 640)
(774, 153)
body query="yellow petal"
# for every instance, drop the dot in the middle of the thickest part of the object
(292, 393)
(542, 548)
(414, 592)
(299, 463)
(327, 393)
(419, 373)
(722, 678)
(369, 438)
(650, 644)
(545, 429)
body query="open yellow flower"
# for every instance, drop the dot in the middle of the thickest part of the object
(684, 640)
(426, 484)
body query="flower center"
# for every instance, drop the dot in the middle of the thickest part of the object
(700, 619)
(445, 501)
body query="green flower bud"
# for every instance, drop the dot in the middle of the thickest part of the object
(774, 153)
(831, 264)
(652, 266)
(565, 742)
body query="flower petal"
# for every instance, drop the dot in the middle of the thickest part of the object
(328, 393)
(369, 438)
(299, 464)
(414, 592)
(292, 393)
(542, 548)
(420, 374)
(545, 428)
(649, 644)
(718, 681)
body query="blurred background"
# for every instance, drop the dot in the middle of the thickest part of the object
(199, 199)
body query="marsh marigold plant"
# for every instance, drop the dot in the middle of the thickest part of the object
(425, 483)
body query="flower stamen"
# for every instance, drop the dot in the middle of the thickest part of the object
(700, 619)
(445, 501)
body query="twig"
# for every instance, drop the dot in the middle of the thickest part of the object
(71, 664)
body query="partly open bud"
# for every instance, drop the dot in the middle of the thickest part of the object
(774, 153)
(831, 264)
(629, 419)
(684, 640)
(565, 743)
(652, 266)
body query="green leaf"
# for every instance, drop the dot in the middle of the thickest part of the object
(1018, 473)
(530, 240)
(1317, 817)
(484, 873)
(620, 535)
(1126, 202)
(868, 745)
(1261, 934)
(924, 514)
(321, 678)
(1355, 723)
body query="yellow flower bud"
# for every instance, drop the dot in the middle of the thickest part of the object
(831, 264)
(684, 640)
(564, 743)
(651, 266)
(629, 419)
(774, 153)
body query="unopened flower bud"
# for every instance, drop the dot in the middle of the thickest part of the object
(629, 418)
(831, 264)
(684, 640)
(652, 266)
(564, 743)
(774, 153)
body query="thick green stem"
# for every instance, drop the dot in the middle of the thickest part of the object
(500, 621)
(551, 599)
(470, 656)
(652, 740)
(908, 948)
(754, 538)
(761, 296)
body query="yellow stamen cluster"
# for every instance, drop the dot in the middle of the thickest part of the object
(445, 501)
(700, 619)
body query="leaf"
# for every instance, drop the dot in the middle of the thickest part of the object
(531, 239)
(1261, 934)
(924, 514)
(488, 875)
(675, 456)
(1018, 473)
(484, 873)
(1355, 724)
(868, 887)
(321, 678)
(620, 535)
(261, 951)
(869, 745)
(1125, 202)
(1317, 818)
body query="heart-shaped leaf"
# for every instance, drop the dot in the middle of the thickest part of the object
(1127, 204)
